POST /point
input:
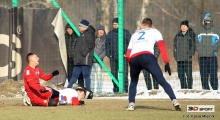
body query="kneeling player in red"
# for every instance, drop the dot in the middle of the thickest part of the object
(38, 95)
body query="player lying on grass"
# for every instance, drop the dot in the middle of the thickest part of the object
(140, 55)
(74, 96)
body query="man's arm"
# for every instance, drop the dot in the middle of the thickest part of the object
(45, 77)
(163, 51)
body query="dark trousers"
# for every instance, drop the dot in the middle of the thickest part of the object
(114, 70)
(148, 80)
(85, 69)
(149, 63)
(208, 68)
(70, 66)
(184, 69)
(54, 99)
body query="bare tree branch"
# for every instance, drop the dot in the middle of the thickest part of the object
(159, 6)
(36, 2)
(173, 5)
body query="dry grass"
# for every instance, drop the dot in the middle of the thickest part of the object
(104, 109)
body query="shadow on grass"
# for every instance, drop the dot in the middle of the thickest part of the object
(152, 107)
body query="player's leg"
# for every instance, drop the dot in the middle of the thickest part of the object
(135, 70)
(52, 102)
(86, 74)
(75, 74)
(152, 66)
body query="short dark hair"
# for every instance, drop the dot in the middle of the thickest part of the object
(28, 55)
(147, 21)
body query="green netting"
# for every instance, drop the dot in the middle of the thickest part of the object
(166, 16)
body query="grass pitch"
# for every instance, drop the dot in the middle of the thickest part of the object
(107, 109)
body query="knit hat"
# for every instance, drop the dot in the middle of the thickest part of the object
(185, 22)
(84, 23)
(207, 17)
(115, 20)
(101, 27)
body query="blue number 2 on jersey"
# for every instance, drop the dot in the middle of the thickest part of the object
(141, 37)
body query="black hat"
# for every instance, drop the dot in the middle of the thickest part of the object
(115, 20)
(185, 22)
(84, 23)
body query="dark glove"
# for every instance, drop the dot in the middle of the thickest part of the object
(43, 91)
(54, 73)
(82, 102)
(167, 68)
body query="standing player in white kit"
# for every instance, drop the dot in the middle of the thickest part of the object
(140, 55)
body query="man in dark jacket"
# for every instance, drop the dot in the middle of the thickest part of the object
(112, 53)
(83, 54)
(96, 71)
(70, 38)
(147, 74)
(207, 47)
(183, 50)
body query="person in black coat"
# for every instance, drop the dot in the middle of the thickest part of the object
(112, 53)
(71, 39)
(83, 54)
(183, 50)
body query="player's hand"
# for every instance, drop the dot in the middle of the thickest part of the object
(54, 73)
(43, 91)
(167, 68)
(82, 102)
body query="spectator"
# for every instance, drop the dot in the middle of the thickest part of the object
(83, 54)
(183, 50)
(96, 68)
(112, 53)
(36, 94)
(206, 46)
(71, 39)
(147, 74)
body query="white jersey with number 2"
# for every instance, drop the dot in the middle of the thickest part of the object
(142, 42)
